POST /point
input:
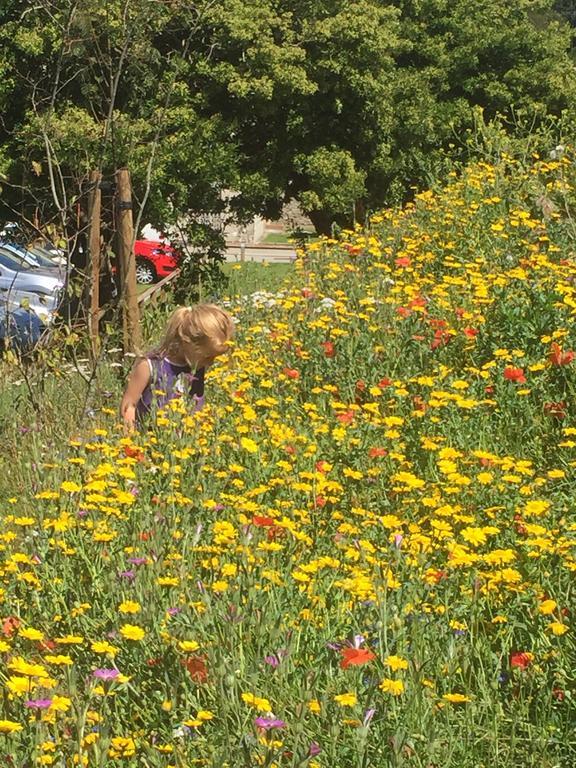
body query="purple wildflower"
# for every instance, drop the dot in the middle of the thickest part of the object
(314, 749)
(38, 703)
(106, 674)
(269, 722)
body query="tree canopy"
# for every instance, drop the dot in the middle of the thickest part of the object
(344, 105)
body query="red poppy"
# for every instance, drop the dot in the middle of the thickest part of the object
(557, 357)
(133, 453)
(322, 466)
(521, 659)
(263, 522)
(403, 261)
(320, 501)
(329, 349)
(376, 453)
(385, 382)
(355, 657)
(403, 311)
(470, 332)
(417, 301)
(10, 625)
(441, 338)
(514, 374)
(360, 385)
(196, 666)
(307, 293)
(345, 418)
(291, 373)
(353, 250)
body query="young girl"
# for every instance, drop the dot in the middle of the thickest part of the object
(193, 338)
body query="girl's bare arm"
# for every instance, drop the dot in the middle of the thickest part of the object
(137, 383)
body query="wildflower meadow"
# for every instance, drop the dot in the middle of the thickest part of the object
(361, 553)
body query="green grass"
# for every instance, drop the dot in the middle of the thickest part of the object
(250, 276)
(273, 238)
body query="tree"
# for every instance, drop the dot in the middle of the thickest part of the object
(344, 105)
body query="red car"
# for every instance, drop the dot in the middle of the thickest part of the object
(154, 260)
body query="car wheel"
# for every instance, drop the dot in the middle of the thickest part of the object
(145, 272)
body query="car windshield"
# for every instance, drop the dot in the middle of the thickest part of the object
(41, 259)
(21, 254)
(12, 261)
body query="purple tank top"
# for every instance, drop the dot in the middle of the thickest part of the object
(172, 381)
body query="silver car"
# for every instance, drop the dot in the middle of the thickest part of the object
(40, 289)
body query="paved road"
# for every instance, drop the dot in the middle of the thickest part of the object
(261, 253)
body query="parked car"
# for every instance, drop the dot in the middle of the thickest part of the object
(154, 260)
(31, 256)
(20, 330)
(42, 289)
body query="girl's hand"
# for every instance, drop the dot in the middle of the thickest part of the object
(137, 383)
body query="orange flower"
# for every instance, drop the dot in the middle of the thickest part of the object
(329, 349)
(514, 374)
(374, 453)
(263, 522)
(346, 418)
(355, 657)
(557, 357)
(292, 373)
(10, 625)
(196, 666)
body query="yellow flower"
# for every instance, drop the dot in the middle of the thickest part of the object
(129, 606)
(262, 705)
(395, 663)
(22, 667)
(132, 632)
(101, 646)
(31, 634)
(70, 487)
(456, 698)
(394, 687)
(60, 703)
(249, 445)
(69, 640)
(188, 646)
(314, 706)
(9, 726)
(205, 714)
(346, 699)
(557, 628)
(547, 607)
(59, 660)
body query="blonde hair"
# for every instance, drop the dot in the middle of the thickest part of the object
(201, 328)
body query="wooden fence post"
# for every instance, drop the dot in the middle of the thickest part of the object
(94, 213)
(127, 260)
